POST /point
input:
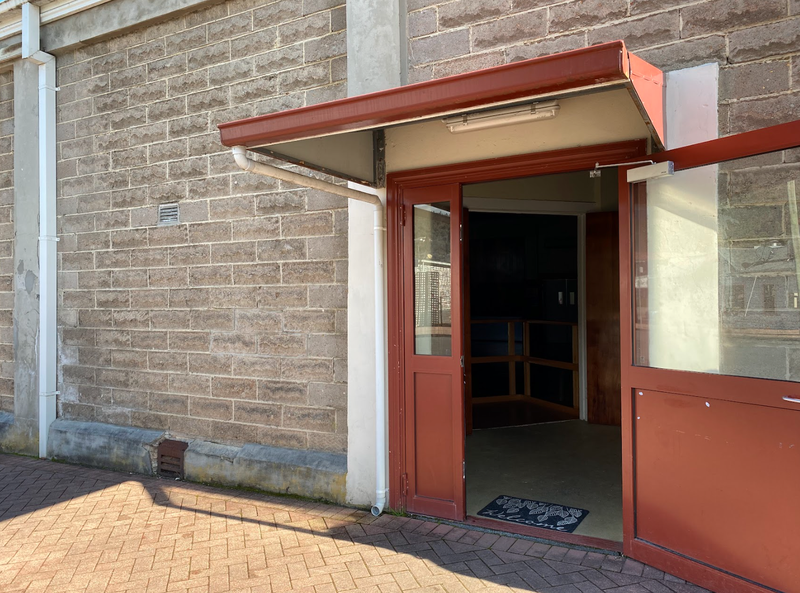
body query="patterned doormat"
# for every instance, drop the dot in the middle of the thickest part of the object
(534, 513)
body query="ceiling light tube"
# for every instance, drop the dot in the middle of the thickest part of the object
(482, 120)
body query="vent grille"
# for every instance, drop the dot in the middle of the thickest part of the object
(170, 458)
(168, 214)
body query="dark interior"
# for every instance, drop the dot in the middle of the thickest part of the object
(523, 268)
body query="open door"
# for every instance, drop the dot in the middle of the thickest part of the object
(433, 409)
(710, 331)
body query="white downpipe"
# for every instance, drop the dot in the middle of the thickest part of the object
(47, 221)
(380, 365)
(247, 164)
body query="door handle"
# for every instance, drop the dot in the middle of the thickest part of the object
(794, 400)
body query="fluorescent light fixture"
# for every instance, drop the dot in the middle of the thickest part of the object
(502, 117)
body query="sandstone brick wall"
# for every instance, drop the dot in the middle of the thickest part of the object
(6, 241)
(229, 326)
(756, 42)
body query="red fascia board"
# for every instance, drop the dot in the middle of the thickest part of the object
(648, 82)
(572, 70)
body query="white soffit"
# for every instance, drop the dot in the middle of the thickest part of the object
(350, 153)
(585, 120)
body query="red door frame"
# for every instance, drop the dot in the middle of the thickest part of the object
(558, 161)
(738, 389)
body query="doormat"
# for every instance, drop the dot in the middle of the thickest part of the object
(534, 513)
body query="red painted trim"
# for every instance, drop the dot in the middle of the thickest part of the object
(779, 137)
(396, 362)
(761, 392)
(560, 161)
(570, 71)
(626, 356)
(648, 82)
(547, 534)
(687, 569)
(526, 165)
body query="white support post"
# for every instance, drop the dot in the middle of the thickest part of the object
(30, 30)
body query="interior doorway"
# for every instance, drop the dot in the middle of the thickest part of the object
(543, 446)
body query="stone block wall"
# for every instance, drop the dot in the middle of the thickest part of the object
(231, 325)
(756, 43)
(6, 241)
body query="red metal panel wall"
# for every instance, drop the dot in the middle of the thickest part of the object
(719, 481)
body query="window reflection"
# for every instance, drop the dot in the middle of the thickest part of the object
(716, 258)
(432, 287)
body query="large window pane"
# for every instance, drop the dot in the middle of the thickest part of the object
(716, 255)
(432, 288)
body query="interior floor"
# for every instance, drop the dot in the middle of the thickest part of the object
(570, 463)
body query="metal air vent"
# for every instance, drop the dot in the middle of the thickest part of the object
(170, 458)
(168, 214)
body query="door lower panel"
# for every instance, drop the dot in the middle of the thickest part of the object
(719, 481)
(433, 461)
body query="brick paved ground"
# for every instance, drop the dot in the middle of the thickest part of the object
(66, 528)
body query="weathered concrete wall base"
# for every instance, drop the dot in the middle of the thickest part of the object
(273, 469)
(123, 448)
(120, 448)
(20, 436)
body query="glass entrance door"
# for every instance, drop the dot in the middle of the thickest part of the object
(711, 363)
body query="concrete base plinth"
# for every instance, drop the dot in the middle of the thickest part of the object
(120, 448)
(18, 435)
(272, 469)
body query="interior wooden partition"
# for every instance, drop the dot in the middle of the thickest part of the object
(512, 358)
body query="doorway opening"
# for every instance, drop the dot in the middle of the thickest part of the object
(541, 342)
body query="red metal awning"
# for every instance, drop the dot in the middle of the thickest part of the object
(593, 69)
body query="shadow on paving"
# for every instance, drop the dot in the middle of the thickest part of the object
(31, 485)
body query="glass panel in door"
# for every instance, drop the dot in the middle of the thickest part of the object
(432, 279)
(716, 260)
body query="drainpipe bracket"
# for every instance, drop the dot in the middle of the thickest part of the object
(49, 238)
(49, 393)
